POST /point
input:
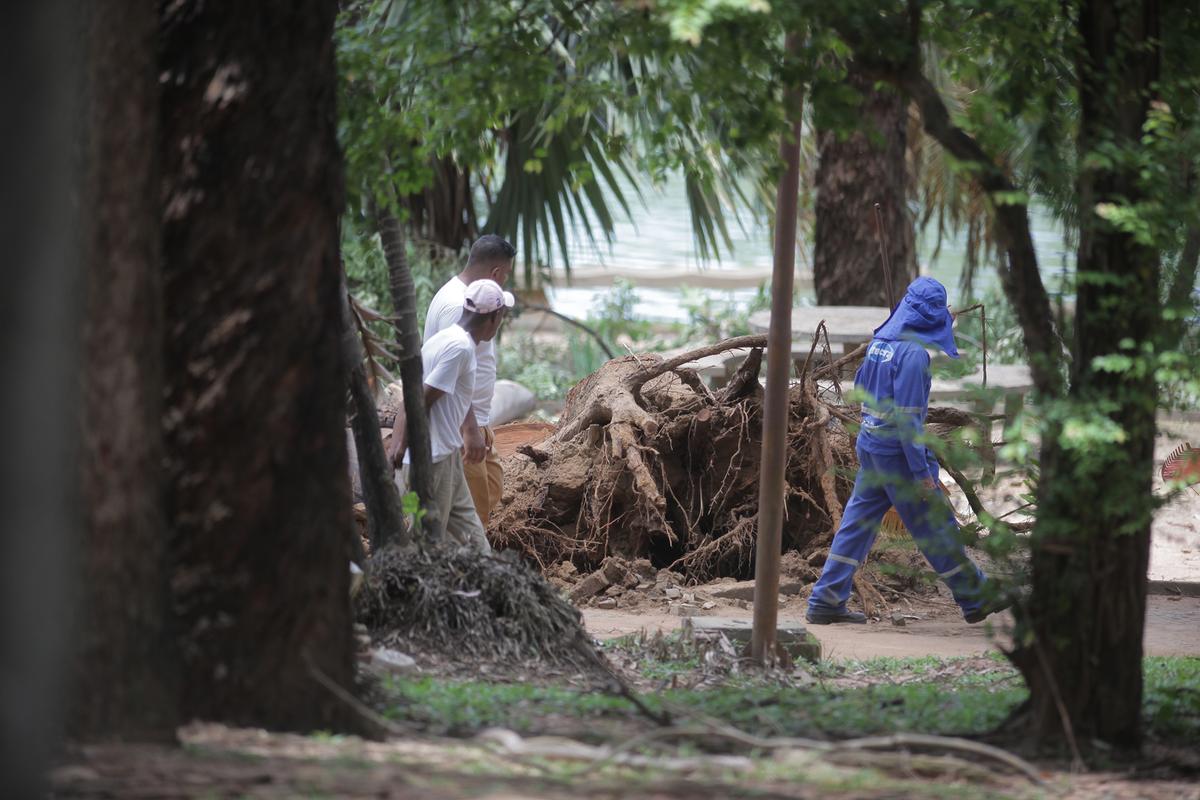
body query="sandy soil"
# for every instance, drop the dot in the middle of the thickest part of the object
(1172, 629)
(1175, 543)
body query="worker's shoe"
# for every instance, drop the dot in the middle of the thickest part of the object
(822, 617)
(993, 606)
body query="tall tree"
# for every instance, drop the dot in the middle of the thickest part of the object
(1080, 634)
(127, 670)
(1095, 504)
(859, 169)
(1124, 182)
(258, 491)
(39, 358)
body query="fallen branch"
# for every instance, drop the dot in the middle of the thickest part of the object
(981, 513)
(654, 370)
(599, 757)
(950, 743)
(572, 321)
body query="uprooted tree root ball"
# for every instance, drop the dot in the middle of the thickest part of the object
(459, 603)
(647, 462)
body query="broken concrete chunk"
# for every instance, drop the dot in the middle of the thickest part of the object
(744, 590)
(666, 577)
(673, 592)
(590, 586)
(792, 636)
(644, 569)
(618, 572)
(386, 660)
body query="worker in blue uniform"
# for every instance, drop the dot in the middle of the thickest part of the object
(895, 466)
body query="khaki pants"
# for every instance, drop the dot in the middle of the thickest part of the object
(452, 513)
(486, 480)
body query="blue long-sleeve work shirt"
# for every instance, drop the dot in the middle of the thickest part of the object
(895, 375)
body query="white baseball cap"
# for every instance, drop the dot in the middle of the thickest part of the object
(485, 296)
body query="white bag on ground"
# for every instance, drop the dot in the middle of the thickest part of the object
(511, 401)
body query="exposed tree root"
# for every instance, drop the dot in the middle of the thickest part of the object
(648, 463)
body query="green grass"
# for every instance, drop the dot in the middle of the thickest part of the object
(1172, 701)
(930, 695)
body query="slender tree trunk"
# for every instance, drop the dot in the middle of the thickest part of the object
(1085, 616)
(854, 174)
(385, 516)
(127, 667)
(1092, 541)
(1020, 277)
(258, 487)
(408, 348)
(39, 359)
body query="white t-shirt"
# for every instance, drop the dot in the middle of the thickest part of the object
(445, 310)
(448, 359)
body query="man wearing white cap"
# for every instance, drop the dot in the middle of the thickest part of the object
(491, 258)
(448, 359)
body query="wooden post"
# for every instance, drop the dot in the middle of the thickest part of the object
(775, 405)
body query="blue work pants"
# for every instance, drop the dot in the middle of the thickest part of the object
(884, 481)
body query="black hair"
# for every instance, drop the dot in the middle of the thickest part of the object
(473, 320)
(490, 249)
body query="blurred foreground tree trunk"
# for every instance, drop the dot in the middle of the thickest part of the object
(39, 359)
(127, 669)
(1092, 542)
(258, 489)
(854, 173)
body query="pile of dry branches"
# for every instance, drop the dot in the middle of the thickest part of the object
(457, 602)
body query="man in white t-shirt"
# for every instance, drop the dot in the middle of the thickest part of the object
(448, 360)
(491, 259)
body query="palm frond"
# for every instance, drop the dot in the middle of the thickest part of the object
(553, 180)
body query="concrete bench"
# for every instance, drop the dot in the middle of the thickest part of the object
(1013, 381)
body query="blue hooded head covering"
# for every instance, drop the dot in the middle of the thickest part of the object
(922, 315)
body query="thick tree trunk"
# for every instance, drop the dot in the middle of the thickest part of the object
(408, 349)
(127, 667)
(385, 516)
(1092, 540)
(39, 358)
(854, 174)
(258, 490)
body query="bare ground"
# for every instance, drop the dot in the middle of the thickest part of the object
(1172, 629)
(219, 762)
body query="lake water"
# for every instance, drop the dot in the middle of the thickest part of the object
(656, 247)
